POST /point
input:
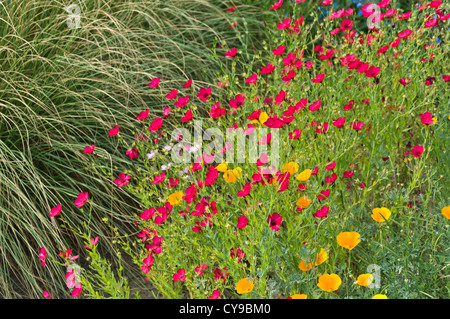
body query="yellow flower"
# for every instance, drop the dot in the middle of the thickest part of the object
(348, 239)
(175, 198)
(303, 266)
(304, 176)
(380, 296)
(434, 120)
(299, 296)
(303, 202)
(321, 257)
(381, 214)
(365, 280)
(291, 167)
(231, 175)
(329, 282)
(244, 286)
(446, 212)
(222, 167)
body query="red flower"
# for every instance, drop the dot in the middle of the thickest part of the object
(179, 275)
(276, 5)
(279, 98)
(182, 101)
(331, 166)
(55, 210)
(357, 126)
(348, 174)
(216, 111)
(237, 101)
(245, 191)
(200, 269)
(204, 93)
(323, 212)
(231, 53)
(219, 275)
(154, 83)
(324, 194)
(417, 151)
(159, 178)
(132, 153)
(231, 9)
(404, 81)
(431, 23)
(372, 71)
(173, 94)
(339, 122)
(274, 221)
(315, 106)
(319, 78)
(187, 84)
(279, 50)
(89, 149)
(114, 131)
(187, 117)
(42, 256)
(156, 124)
(215, 295)
(330, 179)
(122, 180)
(242, 222)
(295, 134)
(252, 79)
(238, 252)
(148, 213)
(143, 115)
(286, 23)
(446, 78)
(81, 200)
(268, 69)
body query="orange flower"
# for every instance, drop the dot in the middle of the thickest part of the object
(231, 175)
(348, 239)
(329, 282)
(381, 214)
(446, 212)
(321, 257)
(292, 167)
(365, 280)
(174, 199)
(303, 202)
(299, 296)
(304, 176)
(303, 266)
(244, 286)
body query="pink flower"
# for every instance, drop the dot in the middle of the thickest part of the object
(114, 131)
(187, 84)
(154, 83)
(122, 180)
(204, 94)
(446, 78)
(156, 124)
(426, 118)
(200, 269)
(315, 106)
(372, 71)
(324, 194)
(242, 222)
(89, 149)
(279, 50)
(159, 178)
(274, 221)
(179, 275)
(182, 101)
(215, 295)
(77, 291)
(417, 151)
(187, 117)
(147, 214)
(339, 122)
(231, 53)
(166, 111)
(268, 69)
(81, 200)
(143, 115)
(331, 166)
(348, 174)
(252, 79)
(237, 101)
(46, 294)
(323, 212)
(132, 153)
(319, 78)
(431, 23)
(93, 243)
(404, 81)
(357, 126)
(173, 94)
(55, 210)
(42, 256)
(276, 5)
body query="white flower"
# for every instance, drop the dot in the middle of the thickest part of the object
(164, 168)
